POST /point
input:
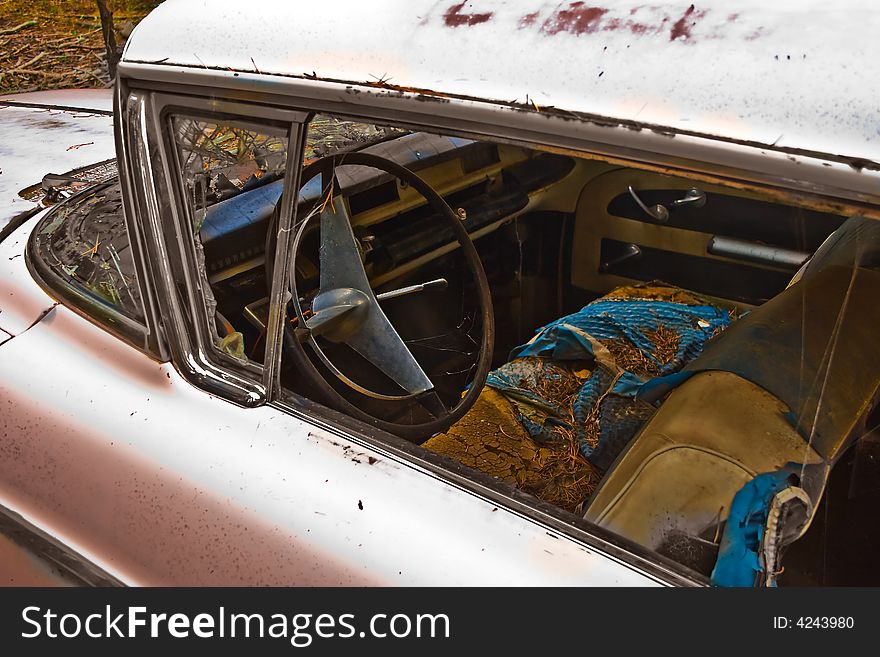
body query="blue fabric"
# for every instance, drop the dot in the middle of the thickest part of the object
(738, 562)
(571, 339)
(627, 319)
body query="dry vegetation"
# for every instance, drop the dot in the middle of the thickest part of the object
(632, 359)
(54, 44)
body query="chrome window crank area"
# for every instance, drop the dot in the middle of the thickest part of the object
(658, 212)
(630, 252)
(693, 197)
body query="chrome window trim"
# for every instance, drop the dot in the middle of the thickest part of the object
(279, 285)
(155, 337)
(159, 212)
(167, 109)
(279, 122)
(69, 563)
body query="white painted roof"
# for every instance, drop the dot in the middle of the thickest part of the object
(798, 74)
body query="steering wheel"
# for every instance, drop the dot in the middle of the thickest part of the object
(346, 310)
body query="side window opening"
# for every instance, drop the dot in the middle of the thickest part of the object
(586, 334)
(592, 342)
(233, 174)
(232, 181)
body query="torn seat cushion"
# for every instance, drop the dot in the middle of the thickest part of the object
(714, 434)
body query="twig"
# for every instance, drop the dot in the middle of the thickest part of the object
(18, 28)
(80, 46)
(32, 62)
(23, 71)
(82, 70)
(27, 89)
(18, 50)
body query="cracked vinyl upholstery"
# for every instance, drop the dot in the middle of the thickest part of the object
(490, 438)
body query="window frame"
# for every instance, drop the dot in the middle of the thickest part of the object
(169, 114)
(162, 213)
(70, 291)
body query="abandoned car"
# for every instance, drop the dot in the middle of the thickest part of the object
(564, 294)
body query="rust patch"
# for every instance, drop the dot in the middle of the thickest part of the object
(757, 34)
(639, 28)
(577, 19)
(528, 20)
(681, 29)
(454, 18)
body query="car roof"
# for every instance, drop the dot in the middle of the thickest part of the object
(789, 74)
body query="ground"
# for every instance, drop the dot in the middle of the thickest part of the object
(54, 44)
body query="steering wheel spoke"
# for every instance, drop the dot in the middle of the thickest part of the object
(351, 309)
(346, 310)
(379, 343)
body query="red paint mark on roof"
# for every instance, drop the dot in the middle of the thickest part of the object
(681, 29)
(528, 20)
(757, 34)
(577, 19)
(454, 18)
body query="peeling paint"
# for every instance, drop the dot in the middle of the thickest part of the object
(43, 315)
(528, 20)
(454, 18)
(576, 19)
(681, 29)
